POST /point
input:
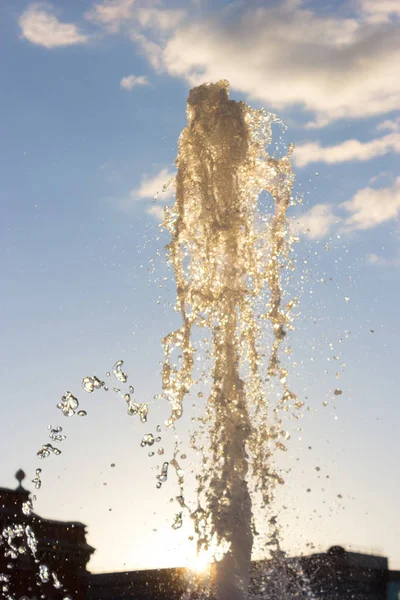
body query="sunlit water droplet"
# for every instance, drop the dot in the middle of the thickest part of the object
(46, 449)
(147, 440)
(178, 521)
(56, 582)
(55, 434)
(68, 404)
(118, 373)
(36, 480)
(44, 573)
(90, 384)
(27, 507)
(162, 478)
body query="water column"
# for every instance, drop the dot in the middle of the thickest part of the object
(220, 274)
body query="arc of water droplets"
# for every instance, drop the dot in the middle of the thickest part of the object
(68, 405)
(225, 258)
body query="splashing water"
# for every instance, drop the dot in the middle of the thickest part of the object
(225, 257)
(118, 373)
(68, 404)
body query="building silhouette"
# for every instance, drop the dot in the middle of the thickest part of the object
(61, 554)
(332, 575)
(59, 567)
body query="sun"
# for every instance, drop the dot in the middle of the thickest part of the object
(200, 563)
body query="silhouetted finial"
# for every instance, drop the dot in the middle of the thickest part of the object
(20, 476)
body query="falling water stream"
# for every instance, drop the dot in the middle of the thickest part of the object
(227, 262)
(229, 259)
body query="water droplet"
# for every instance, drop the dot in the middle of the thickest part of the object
(55, 434)
(44, 573)
(27, 507)
(108, 374)
(151, 454)
(31, 540)
(44, 452)
(36, 480)
(131, 389)
(183, 456)
(158, 428)
(118, 373)
(158, 439)
(158, 484)
(82, 413)
(90, 384)
(68, 404)
(56, 582)
(147, 440)
(178, 521)
(164, 473)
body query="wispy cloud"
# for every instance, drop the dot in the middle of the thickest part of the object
(379, 11)
(350, 150)
(130, 81)
(110, 14)
(160, 18)
(288, 56)
(371, 207)
(151, 186)
(317, 222)
(381, 261)
(389, 125)
(159, 187)
(40, 26)
(156, 211)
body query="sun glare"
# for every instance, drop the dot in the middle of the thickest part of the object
(200, 563)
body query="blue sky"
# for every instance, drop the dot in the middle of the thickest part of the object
(93, 102)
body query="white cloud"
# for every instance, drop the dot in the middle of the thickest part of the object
(317, 222)
(287, 56)
(111, 14)
(346, 151)
(368, 208)
(152, 186)
(375, 259)
(130, 81)
(150, 49)
(379, 11)
(389, 125)
(156, 211)
(371, 207)
(40, 26)
(162, 19)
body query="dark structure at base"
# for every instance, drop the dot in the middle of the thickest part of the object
(61, 547)
(334, 575)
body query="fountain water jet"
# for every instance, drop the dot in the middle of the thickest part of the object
(223, 260)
